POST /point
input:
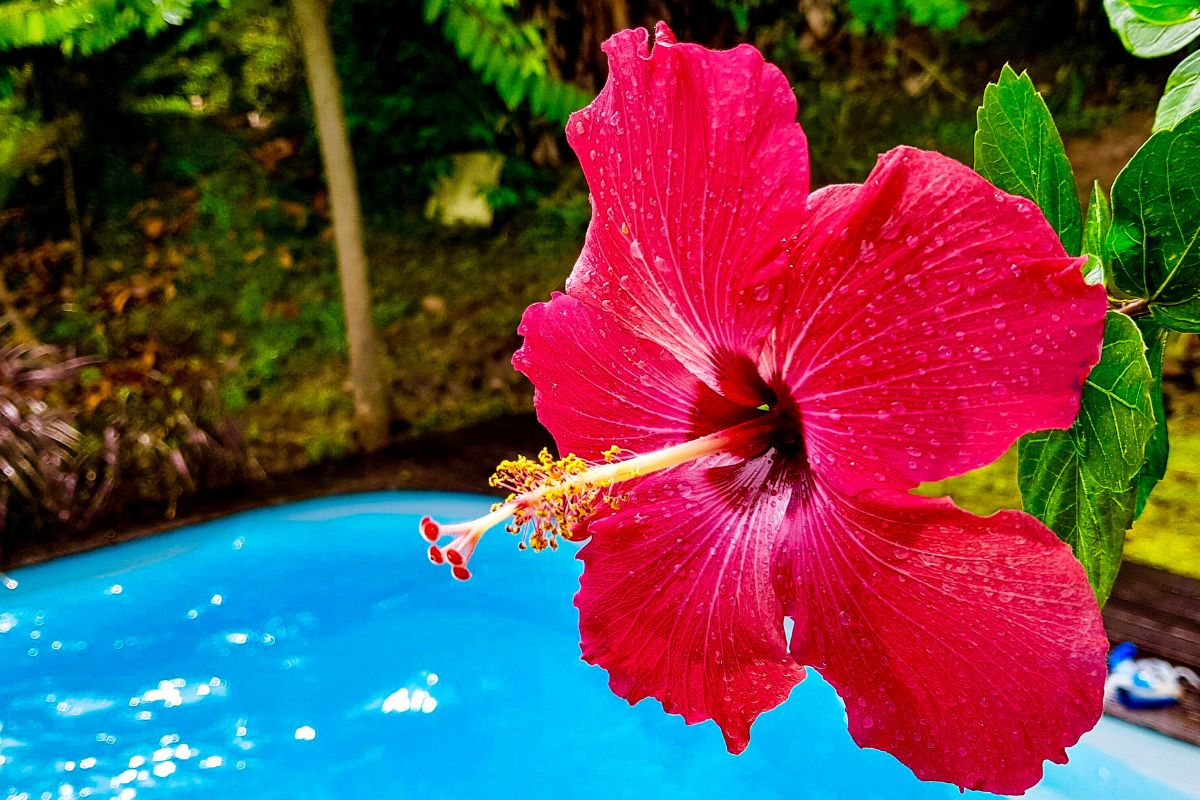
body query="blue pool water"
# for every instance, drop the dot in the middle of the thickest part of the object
(310, 651)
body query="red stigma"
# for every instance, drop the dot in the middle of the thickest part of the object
(435, 555)
(430, 529)
(460, 572)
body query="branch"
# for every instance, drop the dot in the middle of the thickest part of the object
(1135, 308)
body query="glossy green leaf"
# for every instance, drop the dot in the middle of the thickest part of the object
(1182, 317)
(1165, 12)
(1154, 242)
(1080, 481)
(1158, 447)
(1096, 223)
(1017, 147)
(1182, 95)
(1145, 39)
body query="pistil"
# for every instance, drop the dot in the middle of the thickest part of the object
(551, 498)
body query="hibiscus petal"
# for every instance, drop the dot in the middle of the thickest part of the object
(698, 172)
(936, 320)
(596, 385)
(970, 648)
(676, 599)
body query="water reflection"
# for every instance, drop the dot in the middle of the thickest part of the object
(410, 698)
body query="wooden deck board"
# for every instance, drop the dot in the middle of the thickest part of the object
(1180, 722)
(1160, 613)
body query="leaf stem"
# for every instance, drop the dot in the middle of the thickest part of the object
(1138, 307)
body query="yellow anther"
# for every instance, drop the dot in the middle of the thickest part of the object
(545, 499)
(617, 453)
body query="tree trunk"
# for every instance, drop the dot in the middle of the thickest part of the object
(65, 136)
(74, 220)
(366, 369)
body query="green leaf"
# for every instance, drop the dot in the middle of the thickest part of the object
(1080, 481)
(479, 58)
(1096, 223)
(1182, 95)
(509, 84)
(1183, 317)
(433, 10)
(467, 31)
(1165, 12)
(1158, 447)
(1143, 38)
(1017, 147)
(491, 64)
(1154, 242)
(537, 95)
(35, 28)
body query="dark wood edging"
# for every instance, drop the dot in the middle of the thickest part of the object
(460, 461)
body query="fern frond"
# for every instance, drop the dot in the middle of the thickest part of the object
(508, 55)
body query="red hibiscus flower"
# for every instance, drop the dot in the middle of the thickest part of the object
(752, 378)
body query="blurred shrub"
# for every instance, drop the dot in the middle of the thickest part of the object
(882, 16)
(237, 58)
(79, 439)
(157, 430)
(859, 16)
(38, 443)
(87, 26)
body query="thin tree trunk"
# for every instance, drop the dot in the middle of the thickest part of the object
(73, 218)
(63, 134)
(618, 11)
(366, 368)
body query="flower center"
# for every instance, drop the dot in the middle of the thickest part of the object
(551, 498)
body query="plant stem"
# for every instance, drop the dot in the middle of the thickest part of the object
(1134, 308)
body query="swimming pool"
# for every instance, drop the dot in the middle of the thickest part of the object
(310, 651)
